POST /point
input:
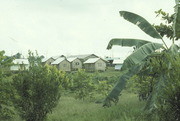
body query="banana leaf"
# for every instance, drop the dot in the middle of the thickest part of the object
(113, 96)
(176, 25)
(152, 103)
(126, 42)
(174, 49)
(140, 54)
(143, 24)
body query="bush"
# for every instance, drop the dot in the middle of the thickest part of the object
(38, 90)
(142, 85)
(6, 94)
(169, 100)
(83, 85)
(6, 90)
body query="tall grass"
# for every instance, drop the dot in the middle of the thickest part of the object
(70, 109)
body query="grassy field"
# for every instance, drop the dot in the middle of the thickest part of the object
(129, 108)
(70, 109)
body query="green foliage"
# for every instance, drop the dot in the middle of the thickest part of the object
(132, 65)
(88, 85)
(176, 24)
(142, 85)
(138, 59)
(103, 87)
(140, 54)
(6, 94)
(172, 23)
(83, 85)
(17, 55)
(126, 42)
(165, 98)
(6, 90)
(38, 90)
(142, 23)
(166, 28)
(149, 65)
(77, 110)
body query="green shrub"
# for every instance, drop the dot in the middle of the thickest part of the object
(103, 88)
(6, 90)
(38, 90)
(169, 100)
(83, 85)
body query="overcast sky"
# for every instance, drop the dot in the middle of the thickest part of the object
(68, 27)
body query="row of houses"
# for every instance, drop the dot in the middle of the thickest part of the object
(89, 62)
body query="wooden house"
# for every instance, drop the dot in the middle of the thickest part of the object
(62, 64)
(47, 61)
(20, 64)
(95, 64)
(76, 63)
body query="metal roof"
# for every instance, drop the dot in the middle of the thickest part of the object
(45, 59)
(59, 60)
(21, 61)
(58, 56)
(71, 59)
(118, 61)
(92, 60)
(81, 56)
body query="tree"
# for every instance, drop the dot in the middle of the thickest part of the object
(166, 28)
(38, 90)
(83, 85)
(17, 55)
(6, 92)
(164, 100)
(141, 57)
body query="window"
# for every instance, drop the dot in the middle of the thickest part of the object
(64, 65)
(77, 63)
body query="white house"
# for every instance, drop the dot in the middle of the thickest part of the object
(20, 64)
(118, 64)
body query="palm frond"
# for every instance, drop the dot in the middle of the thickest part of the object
(140, 54)
(126, 42)
(176, 25)
(142, 23)
(152, 103)
(113, 96)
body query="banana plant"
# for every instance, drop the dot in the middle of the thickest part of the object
(144, 49)
(176, 25)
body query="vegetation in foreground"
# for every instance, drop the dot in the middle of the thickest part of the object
(156, 63)
(71, 109)
(28, 96)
